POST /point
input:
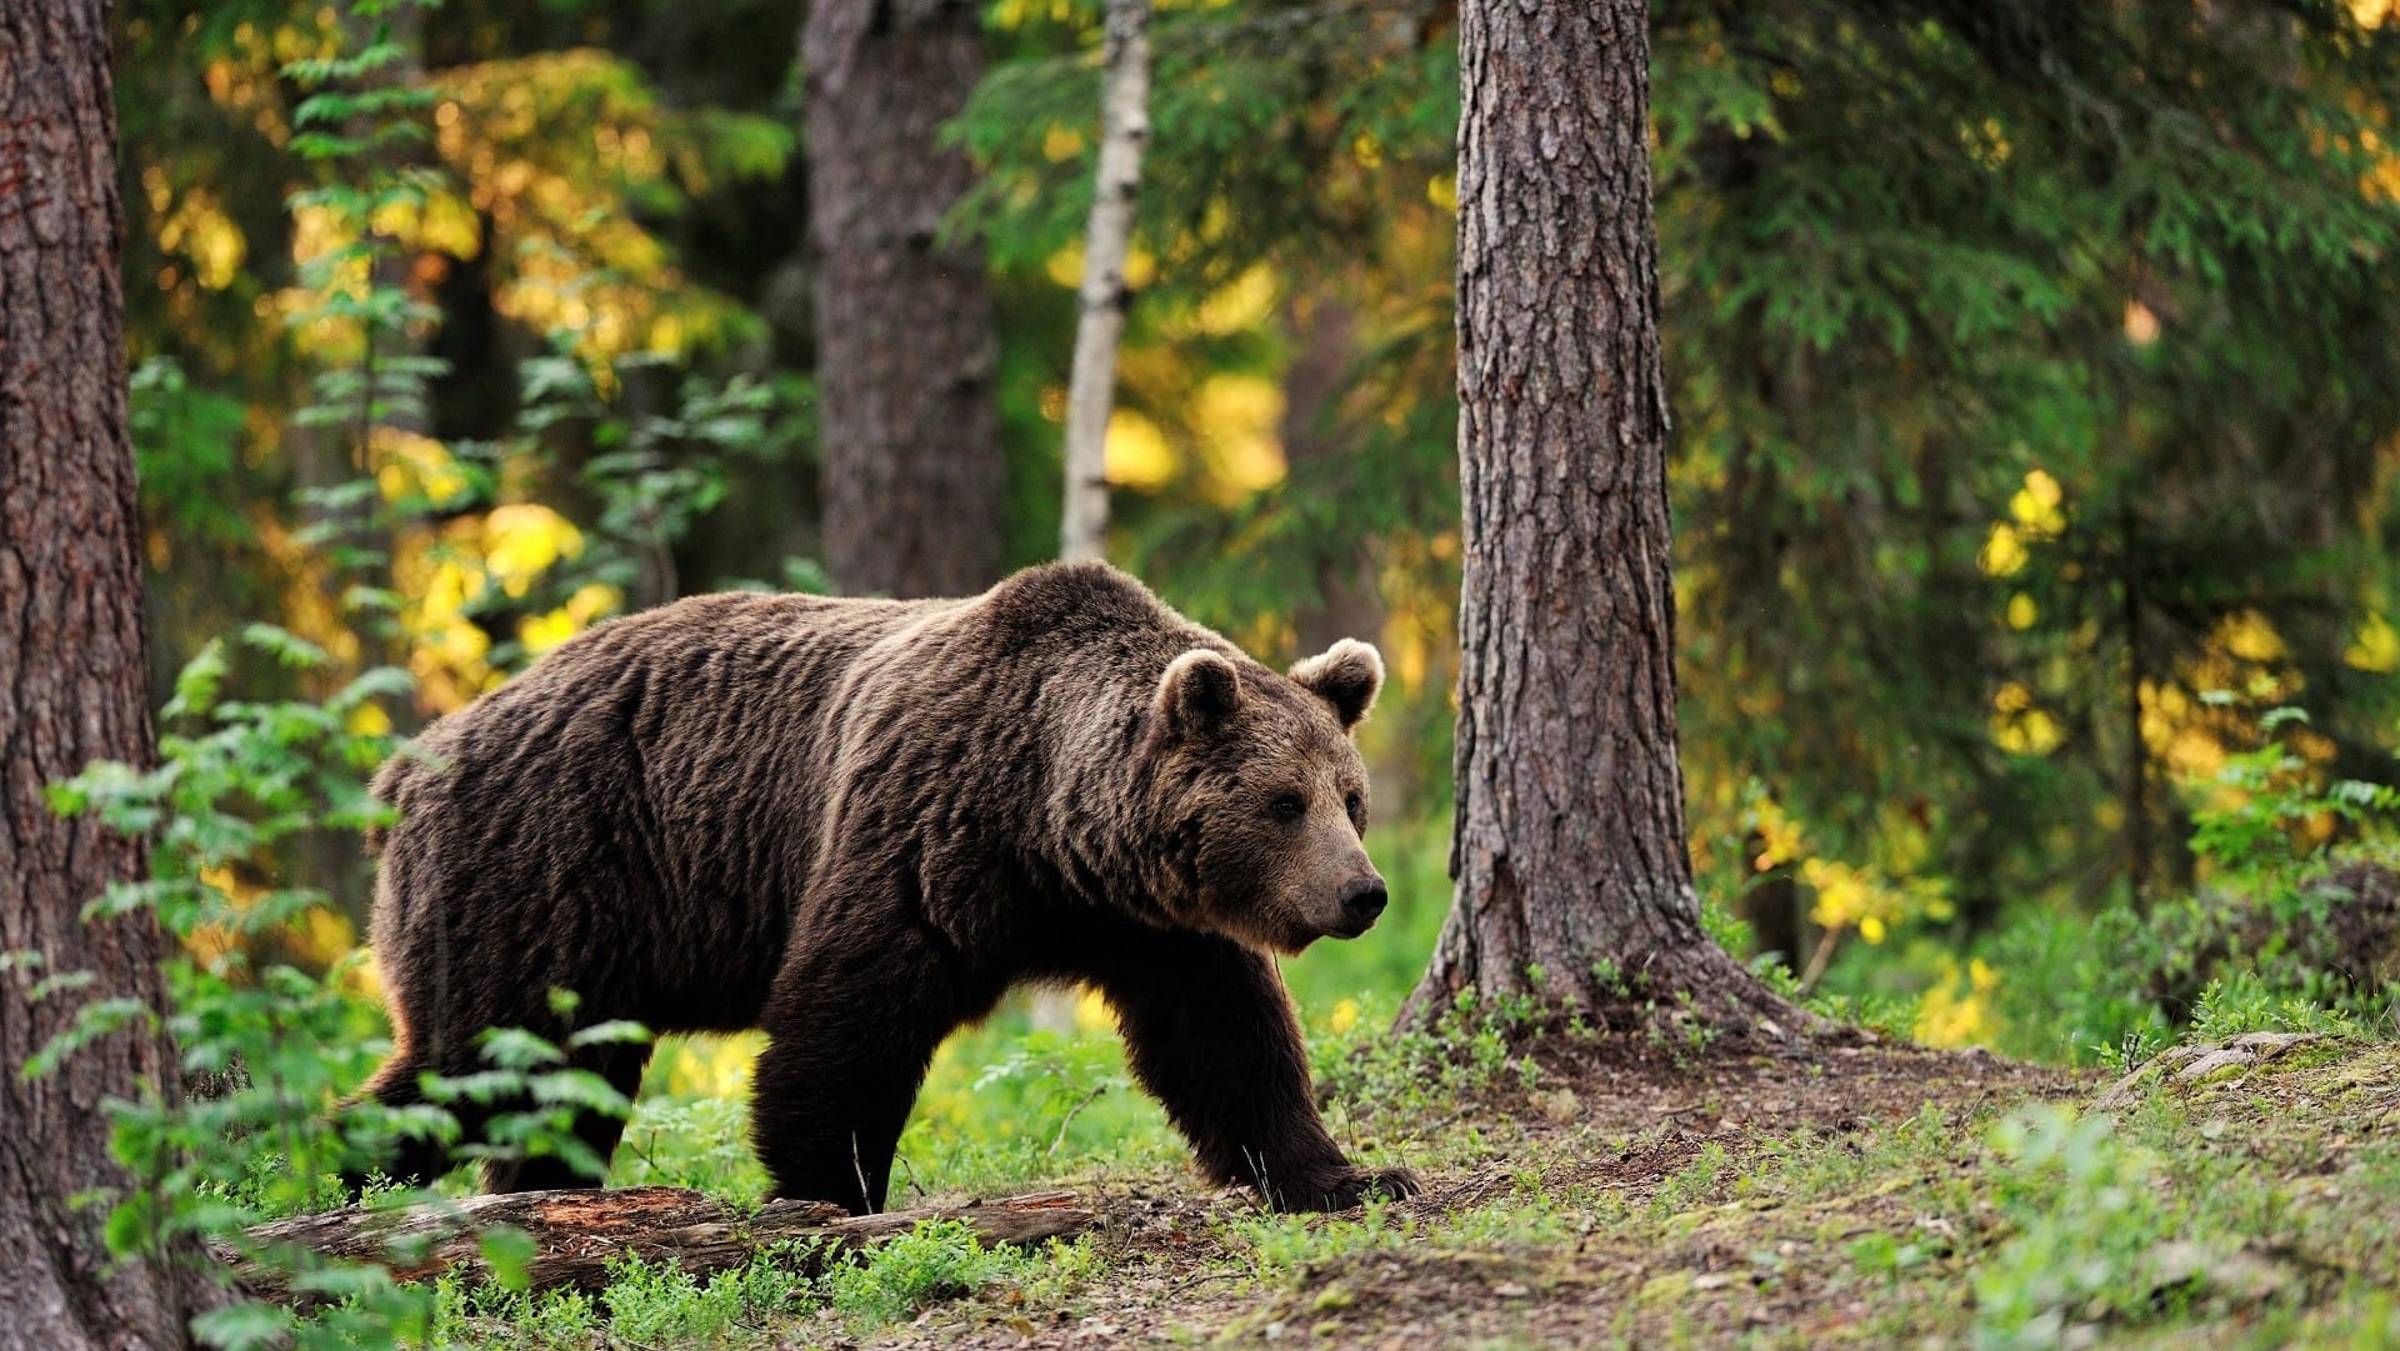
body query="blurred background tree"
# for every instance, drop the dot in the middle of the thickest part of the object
(905, 350)
(2035, 400)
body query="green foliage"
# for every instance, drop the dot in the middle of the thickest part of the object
(183, 439)
(1375, 1072)
(1873, 366)
(2268, 804)
(2291, 927)
(1251, 105)
(2066, 994)
(360, 116)
(2243, 1001)
(697, 1142)
(2089, 1219)
(755, 1304)
(1283, 1247)
(661, 1305)
(649, 477)
(273, 1046)
(938, 1260)
(1973, 442)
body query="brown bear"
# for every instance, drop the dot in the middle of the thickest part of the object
(856, 824)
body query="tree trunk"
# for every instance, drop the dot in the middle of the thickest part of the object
(1570, 853)
(1772, 906)
(73, 689)
(1346, 604)
(906, 354)
(1100, 324)
(578, 1235)
(2137, 750)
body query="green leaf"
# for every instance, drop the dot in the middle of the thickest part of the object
(509, 1252)
(618, 1030)
(243, 1326)
(196, 685)
(285, 646)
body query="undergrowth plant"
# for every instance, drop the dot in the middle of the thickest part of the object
(2276, 936)
(360, 129)
(272, 1040)
(1374, 1072)
(2087, 1216)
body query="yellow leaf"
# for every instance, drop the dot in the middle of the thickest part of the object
(1345, 1016)
(2376, 648)
(2003, 551)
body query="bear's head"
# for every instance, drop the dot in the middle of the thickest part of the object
(1262, 797)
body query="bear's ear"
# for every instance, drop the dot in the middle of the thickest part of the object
(1348, 676)
(1199, 691)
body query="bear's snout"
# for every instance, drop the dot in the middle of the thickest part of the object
(1363, 900)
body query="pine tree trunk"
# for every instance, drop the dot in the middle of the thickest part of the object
(72, 687)
(1100, 322)
(906, 355)
(1345, 604)
(1570, 852)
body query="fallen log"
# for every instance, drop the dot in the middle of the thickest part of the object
(577, 1234)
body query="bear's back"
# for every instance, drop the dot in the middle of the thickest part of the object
(644, 794)
(690, 703)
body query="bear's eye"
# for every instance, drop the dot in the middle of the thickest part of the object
(1287, 808)
(1353, 804)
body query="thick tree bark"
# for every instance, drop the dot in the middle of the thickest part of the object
(73, 688)
(1570, 851)
(577, 1235)
(906, 354)
(1100, 323)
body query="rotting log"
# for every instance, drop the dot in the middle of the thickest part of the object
(577, 1234)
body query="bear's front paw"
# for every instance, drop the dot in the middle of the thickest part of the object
(1342, 1188)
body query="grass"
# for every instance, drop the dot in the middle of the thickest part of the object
(1896, 1198)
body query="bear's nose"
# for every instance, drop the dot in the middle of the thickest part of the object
(1362, 900)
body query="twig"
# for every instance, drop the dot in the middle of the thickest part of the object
(636, 1147)
(1818, 959)
(911, 1170)
(1069, 1120)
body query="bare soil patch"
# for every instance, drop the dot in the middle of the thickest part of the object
(1607, 1127)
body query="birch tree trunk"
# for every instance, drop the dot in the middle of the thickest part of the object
(1570, 853)
(1100, 323)
(73, 688)
(906, 354)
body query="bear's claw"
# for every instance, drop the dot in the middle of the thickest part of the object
(1347, 1188)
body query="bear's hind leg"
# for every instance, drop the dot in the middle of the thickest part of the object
(409, 1161)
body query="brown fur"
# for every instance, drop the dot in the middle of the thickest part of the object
(856, 824)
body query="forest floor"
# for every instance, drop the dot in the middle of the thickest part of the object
(1871, 1195)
